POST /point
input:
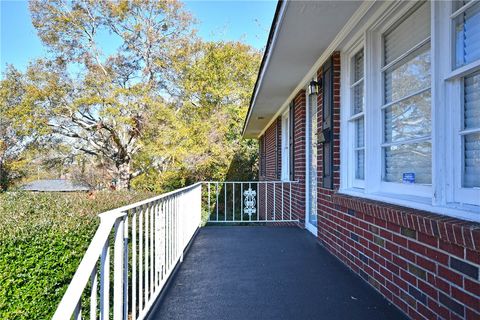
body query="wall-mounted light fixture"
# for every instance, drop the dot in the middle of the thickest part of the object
(314, 86)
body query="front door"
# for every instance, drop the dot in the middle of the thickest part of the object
(312, 140)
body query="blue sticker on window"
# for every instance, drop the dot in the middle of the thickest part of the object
(408, 177)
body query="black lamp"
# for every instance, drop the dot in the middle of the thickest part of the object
(313, 87)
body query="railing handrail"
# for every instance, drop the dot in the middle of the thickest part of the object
(253, 181)
(93, 253)
(253, 205)
(156, 198)
(84, 270)
(178, 228)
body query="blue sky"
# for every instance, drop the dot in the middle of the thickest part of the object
(248, 21)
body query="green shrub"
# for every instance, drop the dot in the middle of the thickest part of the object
(43, 237)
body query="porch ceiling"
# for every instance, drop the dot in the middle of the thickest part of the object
(300, 32)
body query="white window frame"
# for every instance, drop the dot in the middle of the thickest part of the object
(349, 118)
(390, 187)
(454, 88)
(445, 196)
(285, 145)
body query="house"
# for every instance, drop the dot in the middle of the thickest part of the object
(368, 121)
(55, 185)
(374, 109)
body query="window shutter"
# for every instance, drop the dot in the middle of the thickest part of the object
(327, 124)
(261, 143)
(264, 157)
(260, 156)
(291, 140)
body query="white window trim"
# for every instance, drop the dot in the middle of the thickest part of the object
(376, 36)
(285, 144)
(443, 197)
(454, 81)
(347, 117)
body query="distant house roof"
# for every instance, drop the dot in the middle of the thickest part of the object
(56, 185)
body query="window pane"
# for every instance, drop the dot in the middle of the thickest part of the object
(359, 133)
(472, 101)
(360, 164)
(408, 33)
(411, 158)
(408, 119)
(471, 174)
(358, 98)
(467, 36)
(358, 66)
(408, 77)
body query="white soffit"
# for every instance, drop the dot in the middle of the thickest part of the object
(305, 31)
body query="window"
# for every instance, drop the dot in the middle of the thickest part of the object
(356, 120)
(286, 146)
(466, 23)
(471, 131)
(406, 145)
(465, 57)
(411, 122)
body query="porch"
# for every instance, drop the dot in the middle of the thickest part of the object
(266, 273)
(154, 260)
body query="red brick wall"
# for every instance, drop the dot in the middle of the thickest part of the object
(273, 156)
(298, 193)
(425, 264)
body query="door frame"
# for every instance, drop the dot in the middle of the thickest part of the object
(310, 227)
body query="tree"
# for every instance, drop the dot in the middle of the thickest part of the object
(104, 96)
(19, 127)
(216, 91)
(163, 107)
(203, 140)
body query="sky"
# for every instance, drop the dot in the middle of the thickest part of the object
(248, 21)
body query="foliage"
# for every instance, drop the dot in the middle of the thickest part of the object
(18, 129)
(43, 237)
(96, 97)
(164, 106)
(160, 111)
(204, 142)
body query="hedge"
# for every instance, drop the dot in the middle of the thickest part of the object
(43, 237)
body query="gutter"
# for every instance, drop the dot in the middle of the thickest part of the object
(266, 57)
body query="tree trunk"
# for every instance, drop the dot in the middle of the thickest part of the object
(3, 177)
(124, 176)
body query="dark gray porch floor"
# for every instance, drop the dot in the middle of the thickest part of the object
(266, 273)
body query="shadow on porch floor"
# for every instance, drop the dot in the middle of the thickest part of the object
(266, 273)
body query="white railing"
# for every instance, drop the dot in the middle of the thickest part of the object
(148, 239)
(250, 201)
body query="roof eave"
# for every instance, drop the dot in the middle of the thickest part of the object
(266, 55)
